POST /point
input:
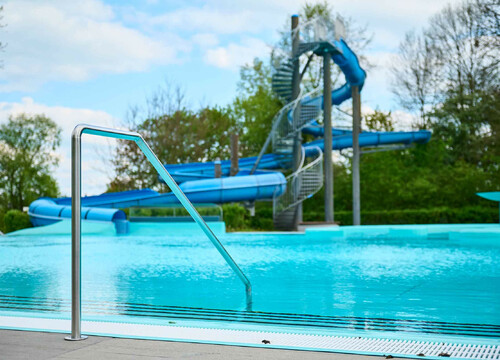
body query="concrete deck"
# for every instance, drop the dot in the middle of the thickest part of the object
(18, 345)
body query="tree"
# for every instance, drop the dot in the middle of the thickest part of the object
(27, 145)
(455, 56)
(470, 126)
(379, 121)
(450, 73)
(469, 52)
(255, 106)
(415, 75)
(180, 137)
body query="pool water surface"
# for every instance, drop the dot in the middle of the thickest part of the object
(361, 280)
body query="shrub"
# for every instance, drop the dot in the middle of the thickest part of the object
(235, 217)
(263, 219)
(16, 220)
(2, 214)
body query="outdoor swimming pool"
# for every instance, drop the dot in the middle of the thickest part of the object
(418, 281)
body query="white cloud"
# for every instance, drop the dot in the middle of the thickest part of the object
(234, 55)
(96, 151)
(214, 19)
(243, 16)
(59, 40)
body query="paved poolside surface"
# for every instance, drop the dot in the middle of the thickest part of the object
(39, 345)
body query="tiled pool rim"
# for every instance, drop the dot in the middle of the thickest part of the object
(266, 339)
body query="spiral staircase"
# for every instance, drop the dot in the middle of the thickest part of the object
(314, 38)
(308, 178)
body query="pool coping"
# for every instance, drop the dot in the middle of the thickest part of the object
(358, 345)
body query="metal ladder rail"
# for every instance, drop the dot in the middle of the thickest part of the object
(76, 190)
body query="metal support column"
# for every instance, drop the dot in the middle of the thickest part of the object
(297, 146)
(356, 127)
(234, 155)
(327, 116)
(217, 168)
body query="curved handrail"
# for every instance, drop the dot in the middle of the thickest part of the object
(76, 190)
(288, 201)
(311, 164)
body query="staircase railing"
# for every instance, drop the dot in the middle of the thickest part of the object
(285, 126)
(307, 180)
(288, 124)
(76, 193)
(300, 185)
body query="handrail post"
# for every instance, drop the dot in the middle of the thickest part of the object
(76, 222)
(76, 296)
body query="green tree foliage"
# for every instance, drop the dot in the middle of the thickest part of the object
(470, 126)
(255, 106)
(379, 121)
(27, 145)
(420, 177)
(448, 75)
(443, 175)
(180, 137)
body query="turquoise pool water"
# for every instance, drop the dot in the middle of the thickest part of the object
(423, 280)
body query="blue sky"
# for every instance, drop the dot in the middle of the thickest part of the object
(89, 60)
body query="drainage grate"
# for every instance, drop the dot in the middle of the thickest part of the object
(280, 340)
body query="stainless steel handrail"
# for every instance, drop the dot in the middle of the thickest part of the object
(76, 194)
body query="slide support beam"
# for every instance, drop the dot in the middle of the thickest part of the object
(297, 148)
(234, 155)
(356, 128)
(327, 116)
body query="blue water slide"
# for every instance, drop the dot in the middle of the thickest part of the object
(205, 170)
(371, 139)
(106, 207)
(354, 74)
(199, 171)
(46, 211)
(221, 190)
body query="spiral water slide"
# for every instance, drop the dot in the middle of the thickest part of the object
(259, 177)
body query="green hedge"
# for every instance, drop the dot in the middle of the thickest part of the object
(2, 214)
(237, 217)
(16, 220)
(441, 215)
